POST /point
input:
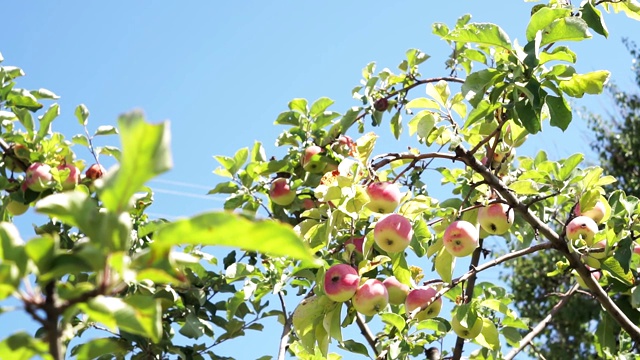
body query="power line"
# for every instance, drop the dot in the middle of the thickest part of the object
(192, 195)
(180, 183)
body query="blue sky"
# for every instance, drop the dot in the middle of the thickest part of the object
(222, 71)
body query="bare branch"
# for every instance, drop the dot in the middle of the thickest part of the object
(286, 330)
(542, 324)
(366, 332)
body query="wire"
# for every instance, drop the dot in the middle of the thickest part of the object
(182, 193)
(180, 183)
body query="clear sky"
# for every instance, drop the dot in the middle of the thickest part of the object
(222, 72)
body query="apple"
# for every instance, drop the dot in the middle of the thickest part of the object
(371, 297)
(384, 197)
(344, 145)
(597, 212)
(280, 192)
(599, 254)
(393, 233)
(95, 171)
(312, 161)
(357, 242)
(496, 218)
(596, 275)
(422, 297)
(582, 227)
(38, 177)
(397, 290)
(464, 331)
(341, 282)
(460, 238)
(72, 179)
(16, 208)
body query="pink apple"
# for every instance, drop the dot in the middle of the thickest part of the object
(344, 145)
(460, 238)
(596, 275)
(384, 197)
(38, 177)
(341, 282)
(312, 161)
(496, 218)
(599, 254)
(597, 212)
(357, 242)
(423, 297)
(393, 233)
(371, 297)
(309, 204)
(582, 227)
(281, 192)
(397, 290)
(70, 180)
(636, 249)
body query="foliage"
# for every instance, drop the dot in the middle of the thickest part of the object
(100, 264)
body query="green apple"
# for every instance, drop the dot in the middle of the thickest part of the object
(16, 208)
(463, 330)
(312, 160)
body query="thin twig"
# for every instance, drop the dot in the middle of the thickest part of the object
(468, 294)
(286, 330)
(366, 332)
(542, 324)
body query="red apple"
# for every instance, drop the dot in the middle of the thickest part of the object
(397, 290)
(393, 233)
(95, 171)
(423, 297)
(460, 238)
(582, 227)
(597, 212)
(357, 242)
(72, 179)
(281, 192)
(38, 177)
(341, 282)
(496, 218)
(371, 297)
(309, 204)
(384, 197)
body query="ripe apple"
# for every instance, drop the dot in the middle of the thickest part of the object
(95, 171)
(341, 282)
(312, 161)
(344, 145)
(384, 197)
(393, 233)
(596, 275)
(422, 297)
(496, 218)
(582, 227)
(397, 290)
(358, 242)
(38, 177)
(597, 212)
(309, 204)
(464, 331)
(460, 238)
(599, 254)
(371, 297)
(72, 179)
(281, 192)
(16, 208)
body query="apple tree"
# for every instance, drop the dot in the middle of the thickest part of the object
(341, 236)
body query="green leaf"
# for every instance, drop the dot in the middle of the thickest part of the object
(106, 130)
(482, 110)
(560, 112)
(439, 92)
(401, 268)
(560, 53)
(422, 103)
(477, 83)
(25, 118)
(445, 263)
(631, 8)
(229, 229)
(542, 19)
(288, 118)
(23, 99)
(227, 187)
(565, 29)
(80, 139)
(299, 105)
(23, 346)
(319, 106)
(528, 116)
(394, 320)
(12, 247)
(193, 328)
(569, 164)
(355, 347)
(489, 337)
(480, 33)
(512, 335)
(308, 316)
(422, 124)
(593, 18)
(82, 114)
(41, 251)
(590, 83)
(415, 57)
(137, 314)
(365, 145)
(145, 154)
(613, 267)
(396, 125)
(45, 121)
(96, 348)
(44, 94)
(605, 335)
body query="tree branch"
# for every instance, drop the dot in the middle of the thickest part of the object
(468, 294)
(51, 321)
(364, 329)
(542, 324)
(286, 329)
(558, 241)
